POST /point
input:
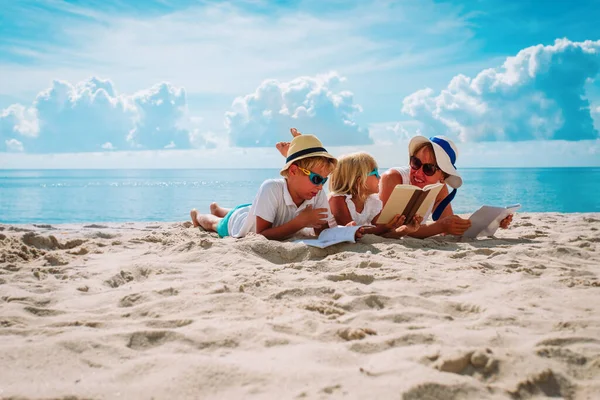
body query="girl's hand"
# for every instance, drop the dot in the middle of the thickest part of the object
(414, 226)
(359, 232)
(395, 222)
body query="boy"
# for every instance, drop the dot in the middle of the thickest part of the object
(282, 207)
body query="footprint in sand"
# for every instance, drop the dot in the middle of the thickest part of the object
(351, 276)
(432, 390)
(410, 339)
(545, 383)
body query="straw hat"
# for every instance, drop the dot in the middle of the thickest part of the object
(305, 146)
(446, 154)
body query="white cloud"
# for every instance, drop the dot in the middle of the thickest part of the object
(13, 145)
(311, 104)
(108, 146)
(90, 114)
(536, 95)
(171, 145)
(235, 45)
(19, 119)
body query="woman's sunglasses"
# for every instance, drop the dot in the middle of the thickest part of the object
(374, 172)
(315, 178)
(428, 169)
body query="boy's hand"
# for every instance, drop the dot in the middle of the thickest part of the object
(395, 222)
(506, 222)
(414, 226)
(454, 225)
(312, 218)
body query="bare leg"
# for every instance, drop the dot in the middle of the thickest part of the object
(194, 216)
(283, 147)
(208, 221)
(218, 211)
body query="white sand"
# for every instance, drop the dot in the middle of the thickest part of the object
(165, 311)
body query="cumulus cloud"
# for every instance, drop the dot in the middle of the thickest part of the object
(538, 94)
(13, 145)
(91, 116)
(311, 104)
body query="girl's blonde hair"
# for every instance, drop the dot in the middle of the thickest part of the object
(350, 175)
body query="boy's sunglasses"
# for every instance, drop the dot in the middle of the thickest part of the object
(315, 178)
(374, 172)
(428, 169)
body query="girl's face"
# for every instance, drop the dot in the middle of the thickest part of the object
(417, 176)
(373, 184)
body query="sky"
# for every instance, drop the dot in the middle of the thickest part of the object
(209, 84)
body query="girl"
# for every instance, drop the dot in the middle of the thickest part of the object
(353, 187)
(353, 197)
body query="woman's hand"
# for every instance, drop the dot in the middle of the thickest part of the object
(454, 225)
(506, 222)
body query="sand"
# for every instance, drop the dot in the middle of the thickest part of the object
(165, 311)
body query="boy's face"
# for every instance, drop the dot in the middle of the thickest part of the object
(300, 183)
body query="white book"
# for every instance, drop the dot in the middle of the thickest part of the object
(409, 200)
(486, 220)
(331, 236)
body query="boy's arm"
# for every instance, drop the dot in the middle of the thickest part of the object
(309, 217)
(281, 232)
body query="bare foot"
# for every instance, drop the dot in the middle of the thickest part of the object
(218, 211)
(295, 132)
(283, 148)
(194, 215)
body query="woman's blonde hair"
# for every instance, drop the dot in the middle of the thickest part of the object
(350, 175)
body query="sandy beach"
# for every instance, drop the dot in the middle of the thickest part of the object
(165, 311)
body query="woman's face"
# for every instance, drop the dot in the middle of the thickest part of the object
(417, 177)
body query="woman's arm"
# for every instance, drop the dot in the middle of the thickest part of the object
(389, 180)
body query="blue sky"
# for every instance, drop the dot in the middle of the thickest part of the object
(198, 83)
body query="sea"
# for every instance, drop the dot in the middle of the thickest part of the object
(80, 196)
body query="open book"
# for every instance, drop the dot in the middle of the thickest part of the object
(486, 220)
(331, 236)
(409, 200)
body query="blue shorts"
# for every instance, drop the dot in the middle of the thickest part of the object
(223, 225)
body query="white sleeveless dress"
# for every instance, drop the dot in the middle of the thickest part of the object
(372, 207)
(405, 173)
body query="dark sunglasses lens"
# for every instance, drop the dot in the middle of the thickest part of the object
(415, 163)
(429, 169)
(317, 179)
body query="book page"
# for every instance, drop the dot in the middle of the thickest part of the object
(434, 190)
(331, 236)
(486, 220)
(402, 195)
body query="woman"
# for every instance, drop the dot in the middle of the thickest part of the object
(431, 160)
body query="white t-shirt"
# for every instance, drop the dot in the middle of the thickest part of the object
(405, 173)
(372, 207)
(273, 203)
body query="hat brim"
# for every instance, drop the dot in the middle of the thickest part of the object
(442, 159)
(317, 154)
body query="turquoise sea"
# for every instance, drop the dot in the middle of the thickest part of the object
(65, 196)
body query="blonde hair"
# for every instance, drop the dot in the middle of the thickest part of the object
(314, 162)
(350, 176)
